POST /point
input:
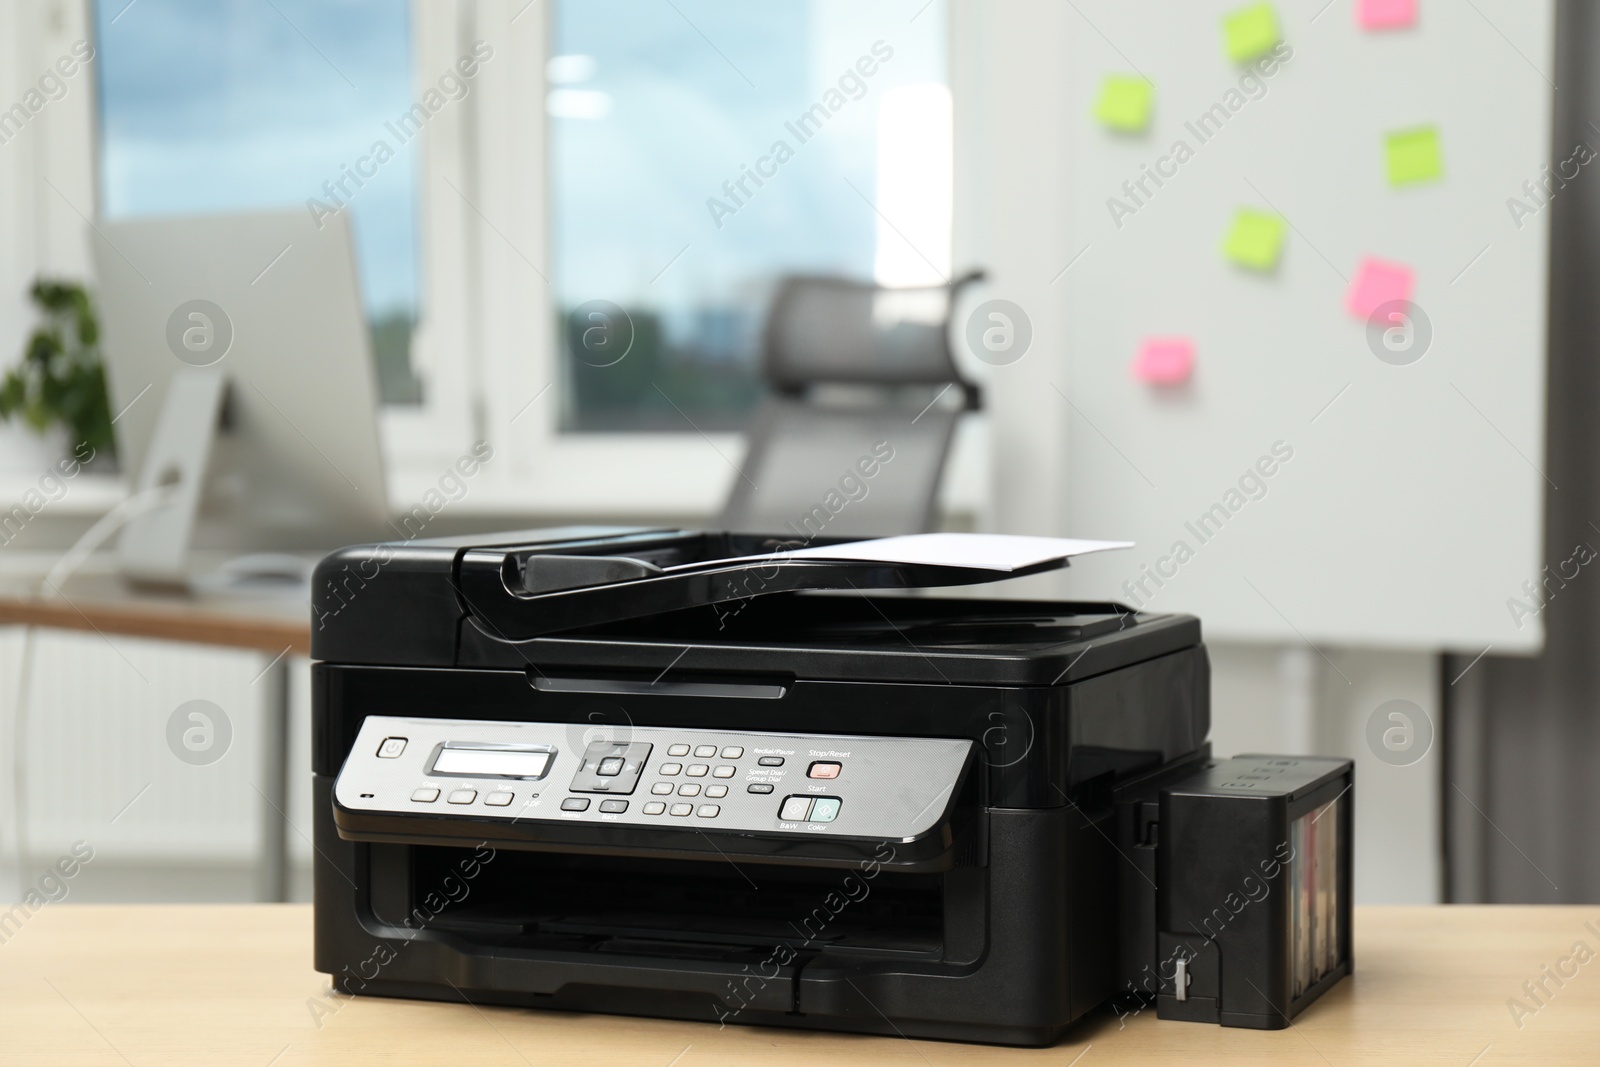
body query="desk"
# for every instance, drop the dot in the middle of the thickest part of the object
(96, 600)
(222, 985)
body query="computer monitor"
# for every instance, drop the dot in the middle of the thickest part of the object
(242, 380)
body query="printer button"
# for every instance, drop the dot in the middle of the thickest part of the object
(724, 772)
(677, 750)
(425, 795)
(771, 761)
(716, 791)
(391, 747)
(498, 799)
(697, 770)
(732, 752)
(610, 767)
(661, 789)
(682, 810)
(669, 769)
(613, 807)
(795, 809)
(704, 751)
(825, 809)
(575, 804)
(462, 796)
(709, 811)
(689, 789)
(824, 769)
(655, 807)
(759, 787)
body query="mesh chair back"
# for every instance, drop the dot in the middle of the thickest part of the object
(824, 329)
(867, 469)
(851, 472)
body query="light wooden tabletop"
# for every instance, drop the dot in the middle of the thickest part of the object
(97, 600)
(230, 985)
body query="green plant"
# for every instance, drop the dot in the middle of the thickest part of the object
(61, 379)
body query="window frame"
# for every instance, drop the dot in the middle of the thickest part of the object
(506, 251)
(483, 235)
(502, 246)
(49, 173)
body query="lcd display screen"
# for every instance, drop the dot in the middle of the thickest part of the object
(497, 762)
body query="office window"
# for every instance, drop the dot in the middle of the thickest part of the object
(226, 106)
(699, 150)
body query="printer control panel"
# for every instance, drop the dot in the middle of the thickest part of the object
(698, 780)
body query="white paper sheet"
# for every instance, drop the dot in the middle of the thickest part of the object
(990, 552)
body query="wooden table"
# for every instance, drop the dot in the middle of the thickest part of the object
(97, 600)
(278, 626)
(233, 985)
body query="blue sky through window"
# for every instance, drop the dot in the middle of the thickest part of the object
(654, 107)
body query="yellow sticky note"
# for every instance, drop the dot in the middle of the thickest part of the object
(1250, 32)
(1255, 240)
(1125, 102)
(1414, 156)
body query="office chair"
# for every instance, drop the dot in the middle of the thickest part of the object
(853, 437)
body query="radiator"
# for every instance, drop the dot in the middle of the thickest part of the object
(98, 766)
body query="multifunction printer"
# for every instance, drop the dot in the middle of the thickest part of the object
(728, 778)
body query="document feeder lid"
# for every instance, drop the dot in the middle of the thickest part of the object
(523, 591)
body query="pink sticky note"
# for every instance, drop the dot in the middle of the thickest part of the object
(1164, 360)
(1375, 284)
(1385, 14)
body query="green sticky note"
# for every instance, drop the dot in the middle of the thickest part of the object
(1255, 240)
(1125, 102)
(1250, 32)
(1414, 156)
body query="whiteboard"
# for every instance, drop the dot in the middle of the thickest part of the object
(1409, 513)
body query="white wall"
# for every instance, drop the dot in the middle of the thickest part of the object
(1398, 843)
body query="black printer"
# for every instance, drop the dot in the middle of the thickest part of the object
(696, 775)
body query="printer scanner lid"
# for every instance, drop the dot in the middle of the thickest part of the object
(403, 601)
(545, 589)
